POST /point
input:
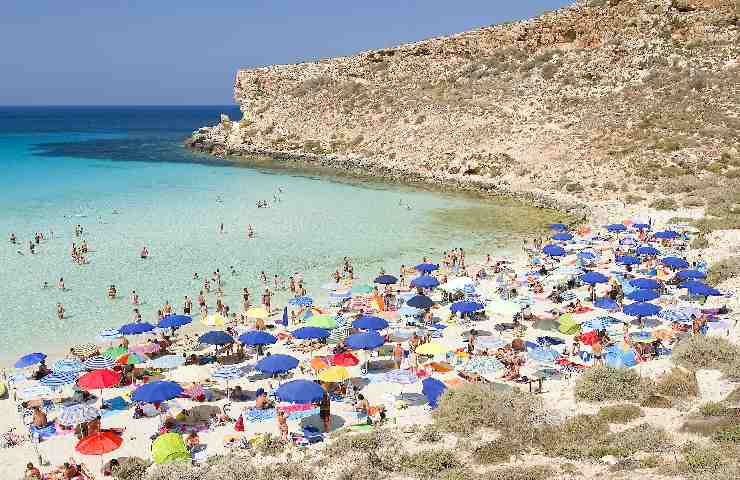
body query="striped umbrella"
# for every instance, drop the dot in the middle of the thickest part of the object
(77, 414)
(57, 379)
(109, 334)
(71, 365)
(99, 362)
(85, 349)
(168, 361)
(115, 352)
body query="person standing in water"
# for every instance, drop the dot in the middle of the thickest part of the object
(221, 228)
(134, 298)
(60, 311)
(61, 284)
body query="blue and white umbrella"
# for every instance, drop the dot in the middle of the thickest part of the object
(168, 361)
(68, 365)
(229, 372)
(77, 414)
(99, 362)
(58, 379)
(109, 334)
(676, 315)
(303, 301)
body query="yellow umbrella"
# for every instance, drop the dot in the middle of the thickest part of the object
(334, 374)
(257, 312)
(214, 320)
(189, 374)
(431, 348)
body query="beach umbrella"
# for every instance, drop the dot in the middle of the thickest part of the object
(168, 361)
(606, 303)
(303, 301)
(85, 349)
(30, 359)
(228, 373)
(642, 295)
(489, 342)
(425, 281)
(592, 278)
(214, 320)
(641, 309)
(343, 295)
(544, 355)
(426, 267)
(368, 322)
(674, 262)
(562, 237)
(432, 348)
(99, 443)
(401, 377)
(558, 226)
(433, 390)
(115, 352)
(616, 228)
(99, 379)
(257, 337)
(334, 374)
(553, 250)
(385, 280)
(318, 363)
(145, 348)
(420, 301)
(691, 274)
(99, 362)
(466, 307)
(667, 234)
(698, 288)
(364, 341)
(170, 447)
(648, 250)
(586, 256)
(305, 333)
(345, 359)
(71, 365)
(34, 391)
(300, 391)
(77, 414)
(641, 226)
(278, 363)
(215, 337)
(645, 283)
(189, 374)
(58, 379)
(174, 321)
(326, 322)
(258, 312)
(131, 359)
(628, 260)
(109, 334)
(136, 328)
(158, 391)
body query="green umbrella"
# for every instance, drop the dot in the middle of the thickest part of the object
(322, 321)
(115, 352)
(169, 447)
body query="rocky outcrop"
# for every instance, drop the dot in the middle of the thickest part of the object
(602, 99)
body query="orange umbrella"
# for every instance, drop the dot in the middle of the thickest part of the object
(441, 367)
(318, 363)
(99, 443)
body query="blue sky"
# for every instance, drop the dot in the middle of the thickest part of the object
(163, 52)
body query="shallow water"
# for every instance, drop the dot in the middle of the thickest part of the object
(123, 175)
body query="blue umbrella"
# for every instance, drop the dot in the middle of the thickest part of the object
(674, 262)
(466, 307)
(433, 390)
(606, 303)
(155, 392)
(647, 250)
(687, 274)
(305, 333)
(698, 288)
(136, 328)
(257, 337)
(386, 280)
(641, 226)
(365, 341)
(628, 260)
(667, 234)
(641, 309)
(300, 391)
(68, 365)
(616, 227)
(30, 359)
(558, 226)
(57, 379)
(216, 337)
(426, 267)
(592, 278)
(284, 319)
(420, 301)
(368, 322)
(278, 363)
(645, 283)
(99, 362)
(303, 301)
(554, 250)
(642, 295)
(174, 321)
(562, 237)
(424, 281)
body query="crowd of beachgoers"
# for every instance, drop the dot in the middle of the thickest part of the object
(206, 381)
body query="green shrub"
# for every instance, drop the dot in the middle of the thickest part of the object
(723, 270)
(656, 401)
(623, 413)
(599, 384)
(700, 241)
(730, 434)
(677, 383)
(733, 397)
(633, 199)
(131, 468)
(429, 434)
(358, 442)
(663, 204)
(532, 472)
(575, 438)
(429, 463)
(714, 409)
(271, 445)
(497, 451)
(573, 187)
(701, 351)
(701, 459)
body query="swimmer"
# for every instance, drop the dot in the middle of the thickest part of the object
(221, 228)
(112, 292)
(250, 231)
(61, 284)
(13, 238)
(233, 271)
(134, 298)
(195, 276)
(45, 285)
(144, 253)
(60, 311)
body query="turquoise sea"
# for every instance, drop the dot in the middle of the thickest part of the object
(123, 175)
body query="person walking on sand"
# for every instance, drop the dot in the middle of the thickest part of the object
(325, 411)
(60, 311)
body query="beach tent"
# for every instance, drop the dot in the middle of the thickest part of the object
(433, 390)
(169, 447)
(568, 324)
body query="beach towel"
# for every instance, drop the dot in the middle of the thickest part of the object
(43, 433)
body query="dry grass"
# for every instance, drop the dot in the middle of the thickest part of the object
(677, 383)
(601, 384)
(700, 351)
(623, 413)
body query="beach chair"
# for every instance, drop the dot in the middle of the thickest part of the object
(312, 434)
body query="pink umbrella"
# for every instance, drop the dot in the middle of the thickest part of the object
(195, 391)
(144, 348)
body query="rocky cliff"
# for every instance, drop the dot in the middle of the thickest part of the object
(633, 98)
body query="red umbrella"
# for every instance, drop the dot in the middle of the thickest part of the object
(99, 443)
(345, 360)
(99, 379)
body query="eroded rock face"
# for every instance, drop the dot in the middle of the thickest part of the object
(583, 96)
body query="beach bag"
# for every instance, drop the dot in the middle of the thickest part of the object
(239, 426)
